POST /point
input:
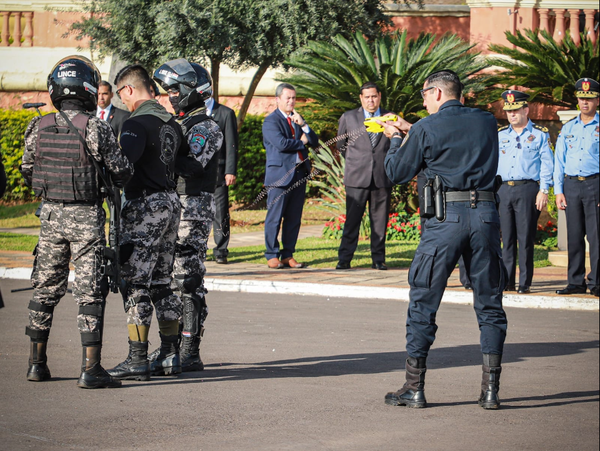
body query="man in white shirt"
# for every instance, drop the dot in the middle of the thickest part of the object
(107, 111)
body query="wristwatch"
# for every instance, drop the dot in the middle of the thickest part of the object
(544, 191)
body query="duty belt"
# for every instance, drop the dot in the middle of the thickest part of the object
(518, 182)
(580, 178)
(470, 196)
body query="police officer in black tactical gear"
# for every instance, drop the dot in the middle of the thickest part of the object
(189, 85)
(457, 147)
(63, 153)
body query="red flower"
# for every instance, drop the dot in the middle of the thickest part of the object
(549, 224)
(419, 210)
(419, 227)
(403, 224)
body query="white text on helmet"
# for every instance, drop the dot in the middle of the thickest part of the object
(67, 74)
(168, 74)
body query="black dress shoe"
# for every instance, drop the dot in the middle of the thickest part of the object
(595, 291)
(510, 288)
(343, 265)
(572, 289)
(524, 289)
(379, 265)
(468, 287)
(221, 260)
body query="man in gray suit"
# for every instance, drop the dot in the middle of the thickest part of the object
(365, 179)
(226, 175)
(107, 111)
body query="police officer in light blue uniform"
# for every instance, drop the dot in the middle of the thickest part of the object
(459, 145)
(525, 164)
(576, 185)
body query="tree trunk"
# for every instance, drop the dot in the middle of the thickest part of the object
(258, 75)
(215, 67)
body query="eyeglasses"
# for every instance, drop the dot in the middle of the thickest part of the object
(518, 142)
(118, 91)
(423, 91)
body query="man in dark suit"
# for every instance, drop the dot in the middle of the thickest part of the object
(107, 111)
(285, 136)
(226, 175)
(365, 179)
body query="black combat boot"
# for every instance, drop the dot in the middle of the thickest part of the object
(135, 366)
(412, 394)
(190, 353)
(38, 370)
(92, 373)
(490, 381)
(167, 361)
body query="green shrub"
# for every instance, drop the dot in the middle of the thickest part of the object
(252, 159)
(12, 130)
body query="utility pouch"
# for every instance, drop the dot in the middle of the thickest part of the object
(428, 201)
(440, 199)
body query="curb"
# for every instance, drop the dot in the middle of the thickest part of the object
(365, 292)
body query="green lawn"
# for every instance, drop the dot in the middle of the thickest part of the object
(15, 242)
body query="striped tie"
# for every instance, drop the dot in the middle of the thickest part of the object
(372, 136)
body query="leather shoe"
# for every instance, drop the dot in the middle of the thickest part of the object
(379, 265)
(343, 265)
(274, 263)
(510, 288)
(524, 289)
(595, 291)
(221, 260)
(290, 262)
(468, 287)
(572, 289)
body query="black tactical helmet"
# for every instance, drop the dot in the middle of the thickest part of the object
(191, 80)
(74, 77)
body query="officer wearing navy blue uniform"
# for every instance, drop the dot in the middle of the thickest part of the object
(525, 164)
(576, 186)
(459, 145)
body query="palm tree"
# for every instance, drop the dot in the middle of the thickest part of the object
(547, 68)
(332, 73)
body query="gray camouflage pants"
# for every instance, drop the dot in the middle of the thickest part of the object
(149, 232)
(68, 233)
(197, 215)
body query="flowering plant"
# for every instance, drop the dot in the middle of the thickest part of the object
(546, 235)
(333, 229)
(401, 226)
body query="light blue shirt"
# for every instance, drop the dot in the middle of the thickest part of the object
(209, 103)
(576, 151)
(526, 155)
(375, 114)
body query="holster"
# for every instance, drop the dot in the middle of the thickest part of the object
(439, 199)
(428, 201)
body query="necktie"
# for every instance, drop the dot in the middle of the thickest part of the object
(289, 119)
(372, 136)
(102, 114)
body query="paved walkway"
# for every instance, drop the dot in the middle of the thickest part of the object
(358, 283)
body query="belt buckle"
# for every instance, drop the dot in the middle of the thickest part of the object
(511, 183)
(580, 178)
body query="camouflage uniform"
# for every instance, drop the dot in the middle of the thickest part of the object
(72, 232)
(149, 226)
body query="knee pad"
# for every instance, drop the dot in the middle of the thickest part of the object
(193, 306)
(188, 284)
(37, 335)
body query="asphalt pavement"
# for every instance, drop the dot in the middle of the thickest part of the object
(289, 372)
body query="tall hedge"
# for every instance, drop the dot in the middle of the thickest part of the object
(252, 159)
(12, 130)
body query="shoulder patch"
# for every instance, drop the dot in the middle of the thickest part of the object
(504, 127)
(541, 128)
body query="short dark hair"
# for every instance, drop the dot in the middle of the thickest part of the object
(107, 84)
(134, 75)
(448, 81)
(369, 85)
(283, 86)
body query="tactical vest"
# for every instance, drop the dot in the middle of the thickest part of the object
(63, 171)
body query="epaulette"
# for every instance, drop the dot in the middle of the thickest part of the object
(504, 127)
(541, 128)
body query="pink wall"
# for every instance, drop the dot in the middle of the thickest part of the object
(436, 25)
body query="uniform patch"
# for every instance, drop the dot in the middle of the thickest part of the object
(531, 138)
(198, 138)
